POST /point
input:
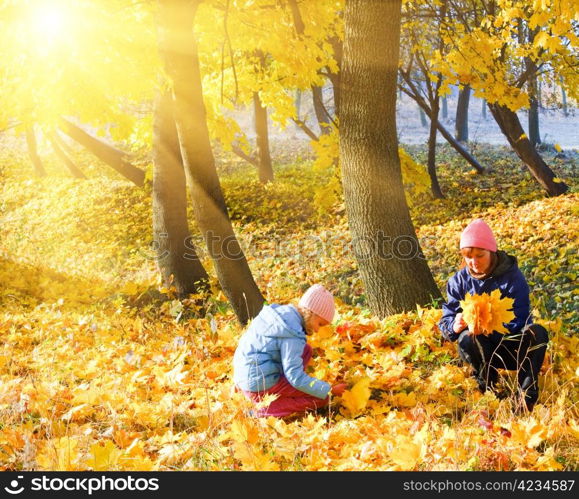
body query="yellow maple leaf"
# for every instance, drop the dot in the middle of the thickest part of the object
(244, 431)
(406, 453)
(356, 399)
(486, 313)
(529, 433)
(254, 459)
(403, 399)
(103, 456)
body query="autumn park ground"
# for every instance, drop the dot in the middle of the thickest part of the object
(101, 368)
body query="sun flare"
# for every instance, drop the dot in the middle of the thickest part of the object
(49, 21)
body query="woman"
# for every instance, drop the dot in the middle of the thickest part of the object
(523, 348)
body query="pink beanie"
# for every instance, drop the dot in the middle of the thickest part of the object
(320, 301)
(478, 235)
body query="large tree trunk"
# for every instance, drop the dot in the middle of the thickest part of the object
(461, 129)
(510, 125)
(74, 170)
(434, 184)
(176, 256)
(106, 153)
(392, 266)
(262, 140)
(179, 51)
(324, 121)
(33, 152)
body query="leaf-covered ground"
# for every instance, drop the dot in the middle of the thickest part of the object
(100, 370)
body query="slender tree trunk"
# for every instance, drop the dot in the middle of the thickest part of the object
(306, 129)
(179, 51)
(264, 166)
(74, 170)
(63, 145)
(484, 108)
(446, 134)
(461, 130)
(444, 108)
(510, 125)
(423, 120)
(531, 68)
(336, 78)
(533, 116)
(106, 153)
(564, 99)
(392, 267)
(243, 155)
(33, 152)
(298, 103)
(322, 115)
(176, 256)
(534, 134)
(434, 184)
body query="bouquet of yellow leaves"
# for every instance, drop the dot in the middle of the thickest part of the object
(487, 312)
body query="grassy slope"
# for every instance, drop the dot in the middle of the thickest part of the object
(89, 356)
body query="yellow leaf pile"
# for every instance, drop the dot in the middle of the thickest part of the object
(98, 373)
(487, 312)
(356, 399)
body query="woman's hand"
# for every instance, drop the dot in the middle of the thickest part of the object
(459, 324)
(339, 389)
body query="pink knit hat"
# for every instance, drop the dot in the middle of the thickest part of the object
(478, 235)
(320, 301)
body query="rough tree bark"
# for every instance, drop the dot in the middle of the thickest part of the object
(177, 259)
(178, 48)
(106, 153)
(392, 267)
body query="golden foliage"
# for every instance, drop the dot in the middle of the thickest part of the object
(487, 313)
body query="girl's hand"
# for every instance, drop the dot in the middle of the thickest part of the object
(339, 389)
(459, 324)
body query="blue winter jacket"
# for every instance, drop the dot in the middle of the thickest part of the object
(506, 276)
(271, 347)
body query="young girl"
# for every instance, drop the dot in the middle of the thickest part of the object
(272, 354)
(523, 348)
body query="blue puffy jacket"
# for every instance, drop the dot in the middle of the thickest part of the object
(507, 277)
(271, 347)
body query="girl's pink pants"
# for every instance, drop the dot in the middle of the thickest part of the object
(289, 400)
